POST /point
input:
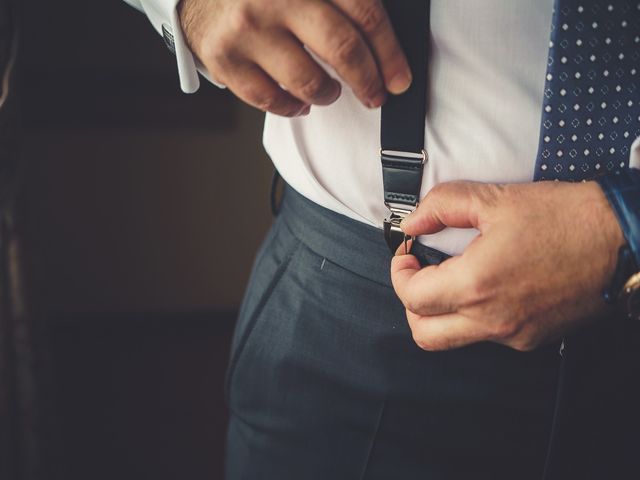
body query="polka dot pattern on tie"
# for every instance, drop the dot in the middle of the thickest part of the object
(591, 111)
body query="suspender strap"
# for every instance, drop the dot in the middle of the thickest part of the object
(403, 119)
(403, 115)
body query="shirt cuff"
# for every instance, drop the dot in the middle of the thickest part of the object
(163, 15)
(622, 189)
(634, 157)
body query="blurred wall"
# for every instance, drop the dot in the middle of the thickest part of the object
(141, 210)
(138, 197)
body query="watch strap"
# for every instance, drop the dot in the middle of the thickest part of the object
(625, 268)
(622, 190)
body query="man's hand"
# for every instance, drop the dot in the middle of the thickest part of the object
(536, 271)
(256, 48)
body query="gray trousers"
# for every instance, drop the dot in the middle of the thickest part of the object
(325, 381)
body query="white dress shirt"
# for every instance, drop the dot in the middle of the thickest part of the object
(487, 75)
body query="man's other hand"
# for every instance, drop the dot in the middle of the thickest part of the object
(536, 271)
(257, 49)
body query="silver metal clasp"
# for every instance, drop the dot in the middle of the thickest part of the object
(393, 234)
(422, 155)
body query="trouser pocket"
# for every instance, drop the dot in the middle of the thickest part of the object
(271, 263)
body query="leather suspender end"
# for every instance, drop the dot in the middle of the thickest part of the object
(402, 175)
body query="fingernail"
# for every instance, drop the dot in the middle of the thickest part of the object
(400, 83)
(377, 101)
(337, 92)
(305, 111)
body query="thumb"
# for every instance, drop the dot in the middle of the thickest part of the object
(452, 204)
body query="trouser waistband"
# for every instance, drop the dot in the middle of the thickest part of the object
(354, 245)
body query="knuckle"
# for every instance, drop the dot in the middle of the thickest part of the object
(422, 343)
(438, 190)
(266, 101)
(312, 87)
(479, 286)
(371, 87)
(324, 15)
(524, 345)
(411, 304)
(215, 54)
(241, 19)
(277, 104)
(371, 17)
(431, 344)
(349, 50)
(488, 195)
(267, 104)
(474, 294)
(506, 330)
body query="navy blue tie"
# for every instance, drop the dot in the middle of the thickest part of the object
(591, 111)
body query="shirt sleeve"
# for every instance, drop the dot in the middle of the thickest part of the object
(134, 4)
(163, 15)
(623, 192)
(634, 159)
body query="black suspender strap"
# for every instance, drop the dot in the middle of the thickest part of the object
(403, 119)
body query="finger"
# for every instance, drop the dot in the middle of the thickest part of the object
(433, 290)
(372, 19)
(335, 39)
(289, 64)
(404, 248)
(445, 332)
(452, 204)
(250, 83)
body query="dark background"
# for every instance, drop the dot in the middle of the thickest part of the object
(142, 210)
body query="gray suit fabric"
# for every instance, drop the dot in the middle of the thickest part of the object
(325, 381)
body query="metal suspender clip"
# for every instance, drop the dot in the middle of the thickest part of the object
(393, 234)
(422, 155)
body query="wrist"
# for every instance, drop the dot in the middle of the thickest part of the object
(192, 18)
(188, 13)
